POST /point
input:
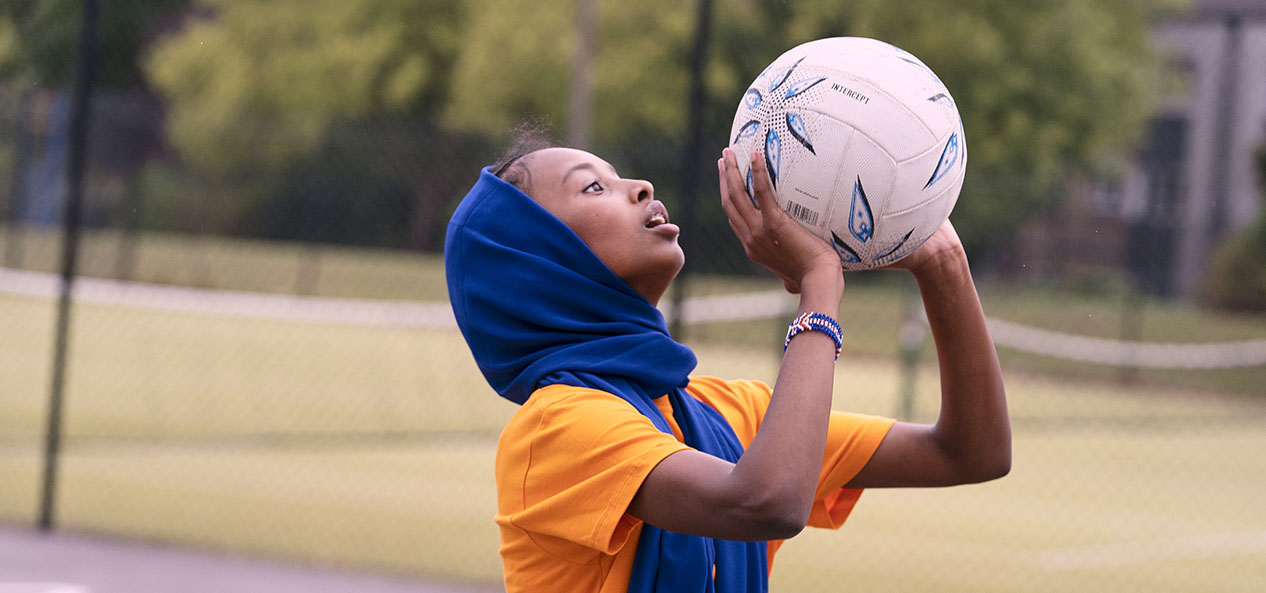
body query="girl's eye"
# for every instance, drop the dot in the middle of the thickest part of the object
(593, 187)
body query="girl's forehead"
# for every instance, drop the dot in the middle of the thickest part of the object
(558, 162)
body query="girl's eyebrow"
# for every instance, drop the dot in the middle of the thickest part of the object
(588, 166)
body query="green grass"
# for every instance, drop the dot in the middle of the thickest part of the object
(238, 264)
(372, 447)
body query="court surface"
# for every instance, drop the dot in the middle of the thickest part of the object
(33, 562)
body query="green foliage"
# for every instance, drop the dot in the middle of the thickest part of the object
(277, 109)
(271, 76)
(39, 39)
(1044, 86)
(516, 60)
(10, 44)
(1237, 277)
(376, 181)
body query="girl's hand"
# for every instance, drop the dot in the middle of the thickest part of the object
(769, 236)
(942, 247)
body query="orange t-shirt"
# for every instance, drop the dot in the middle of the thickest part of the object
(571, 459)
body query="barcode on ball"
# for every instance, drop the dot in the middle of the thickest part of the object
(805, 215)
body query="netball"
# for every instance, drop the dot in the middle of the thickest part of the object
(863, 142)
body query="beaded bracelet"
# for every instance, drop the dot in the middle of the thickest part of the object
(817, 322)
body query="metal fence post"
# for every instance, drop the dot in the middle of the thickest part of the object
(690, 162)
(79, 119)
(913, 333)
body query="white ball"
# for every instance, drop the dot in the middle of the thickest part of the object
(863, 143)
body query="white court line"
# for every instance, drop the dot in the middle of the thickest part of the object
(232, 303)
(42, 588)
(1157, 550)
(1154, 355)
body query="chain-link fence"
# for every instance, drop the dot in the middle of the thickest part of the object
(260, 356)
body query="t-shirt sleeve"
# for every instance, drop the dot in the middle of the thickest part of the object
(568, 465)
(851, 440)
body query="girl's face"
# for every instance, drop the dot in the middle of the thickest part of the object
(619, 219)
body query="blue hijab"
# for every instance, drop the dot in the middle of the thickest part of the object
(538, 308)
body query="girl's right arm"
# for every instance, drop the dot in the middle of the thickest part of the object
(769, 492)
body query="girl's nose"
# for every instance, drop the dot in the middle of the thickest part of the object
(642, 190)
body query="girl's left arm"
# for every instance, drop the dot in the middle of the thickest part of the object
(971, 439)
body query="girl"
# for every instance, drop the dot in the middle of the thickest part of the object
(620, 471)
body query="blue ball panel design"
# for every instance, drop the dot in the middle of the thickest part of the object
(861, 223)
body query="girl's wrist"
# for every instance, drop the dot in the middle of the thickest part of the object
(821, 290)
(812, 321)
(945, 280)
(946, 264)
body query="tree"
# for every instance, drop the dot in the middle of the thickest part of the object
(39, 55)
(515, 62)
(39, 40)
(1043, 85)
(259, 81)
(260, 94)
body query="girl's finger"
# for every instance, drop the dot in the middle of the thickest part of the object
(761, 184)
(737, 193)
(737, 223)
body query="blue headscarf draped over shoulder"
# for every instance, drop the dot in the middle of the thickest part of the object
(537, 308)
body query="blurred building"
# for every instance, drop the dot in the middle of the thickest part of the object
(1194, 181)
